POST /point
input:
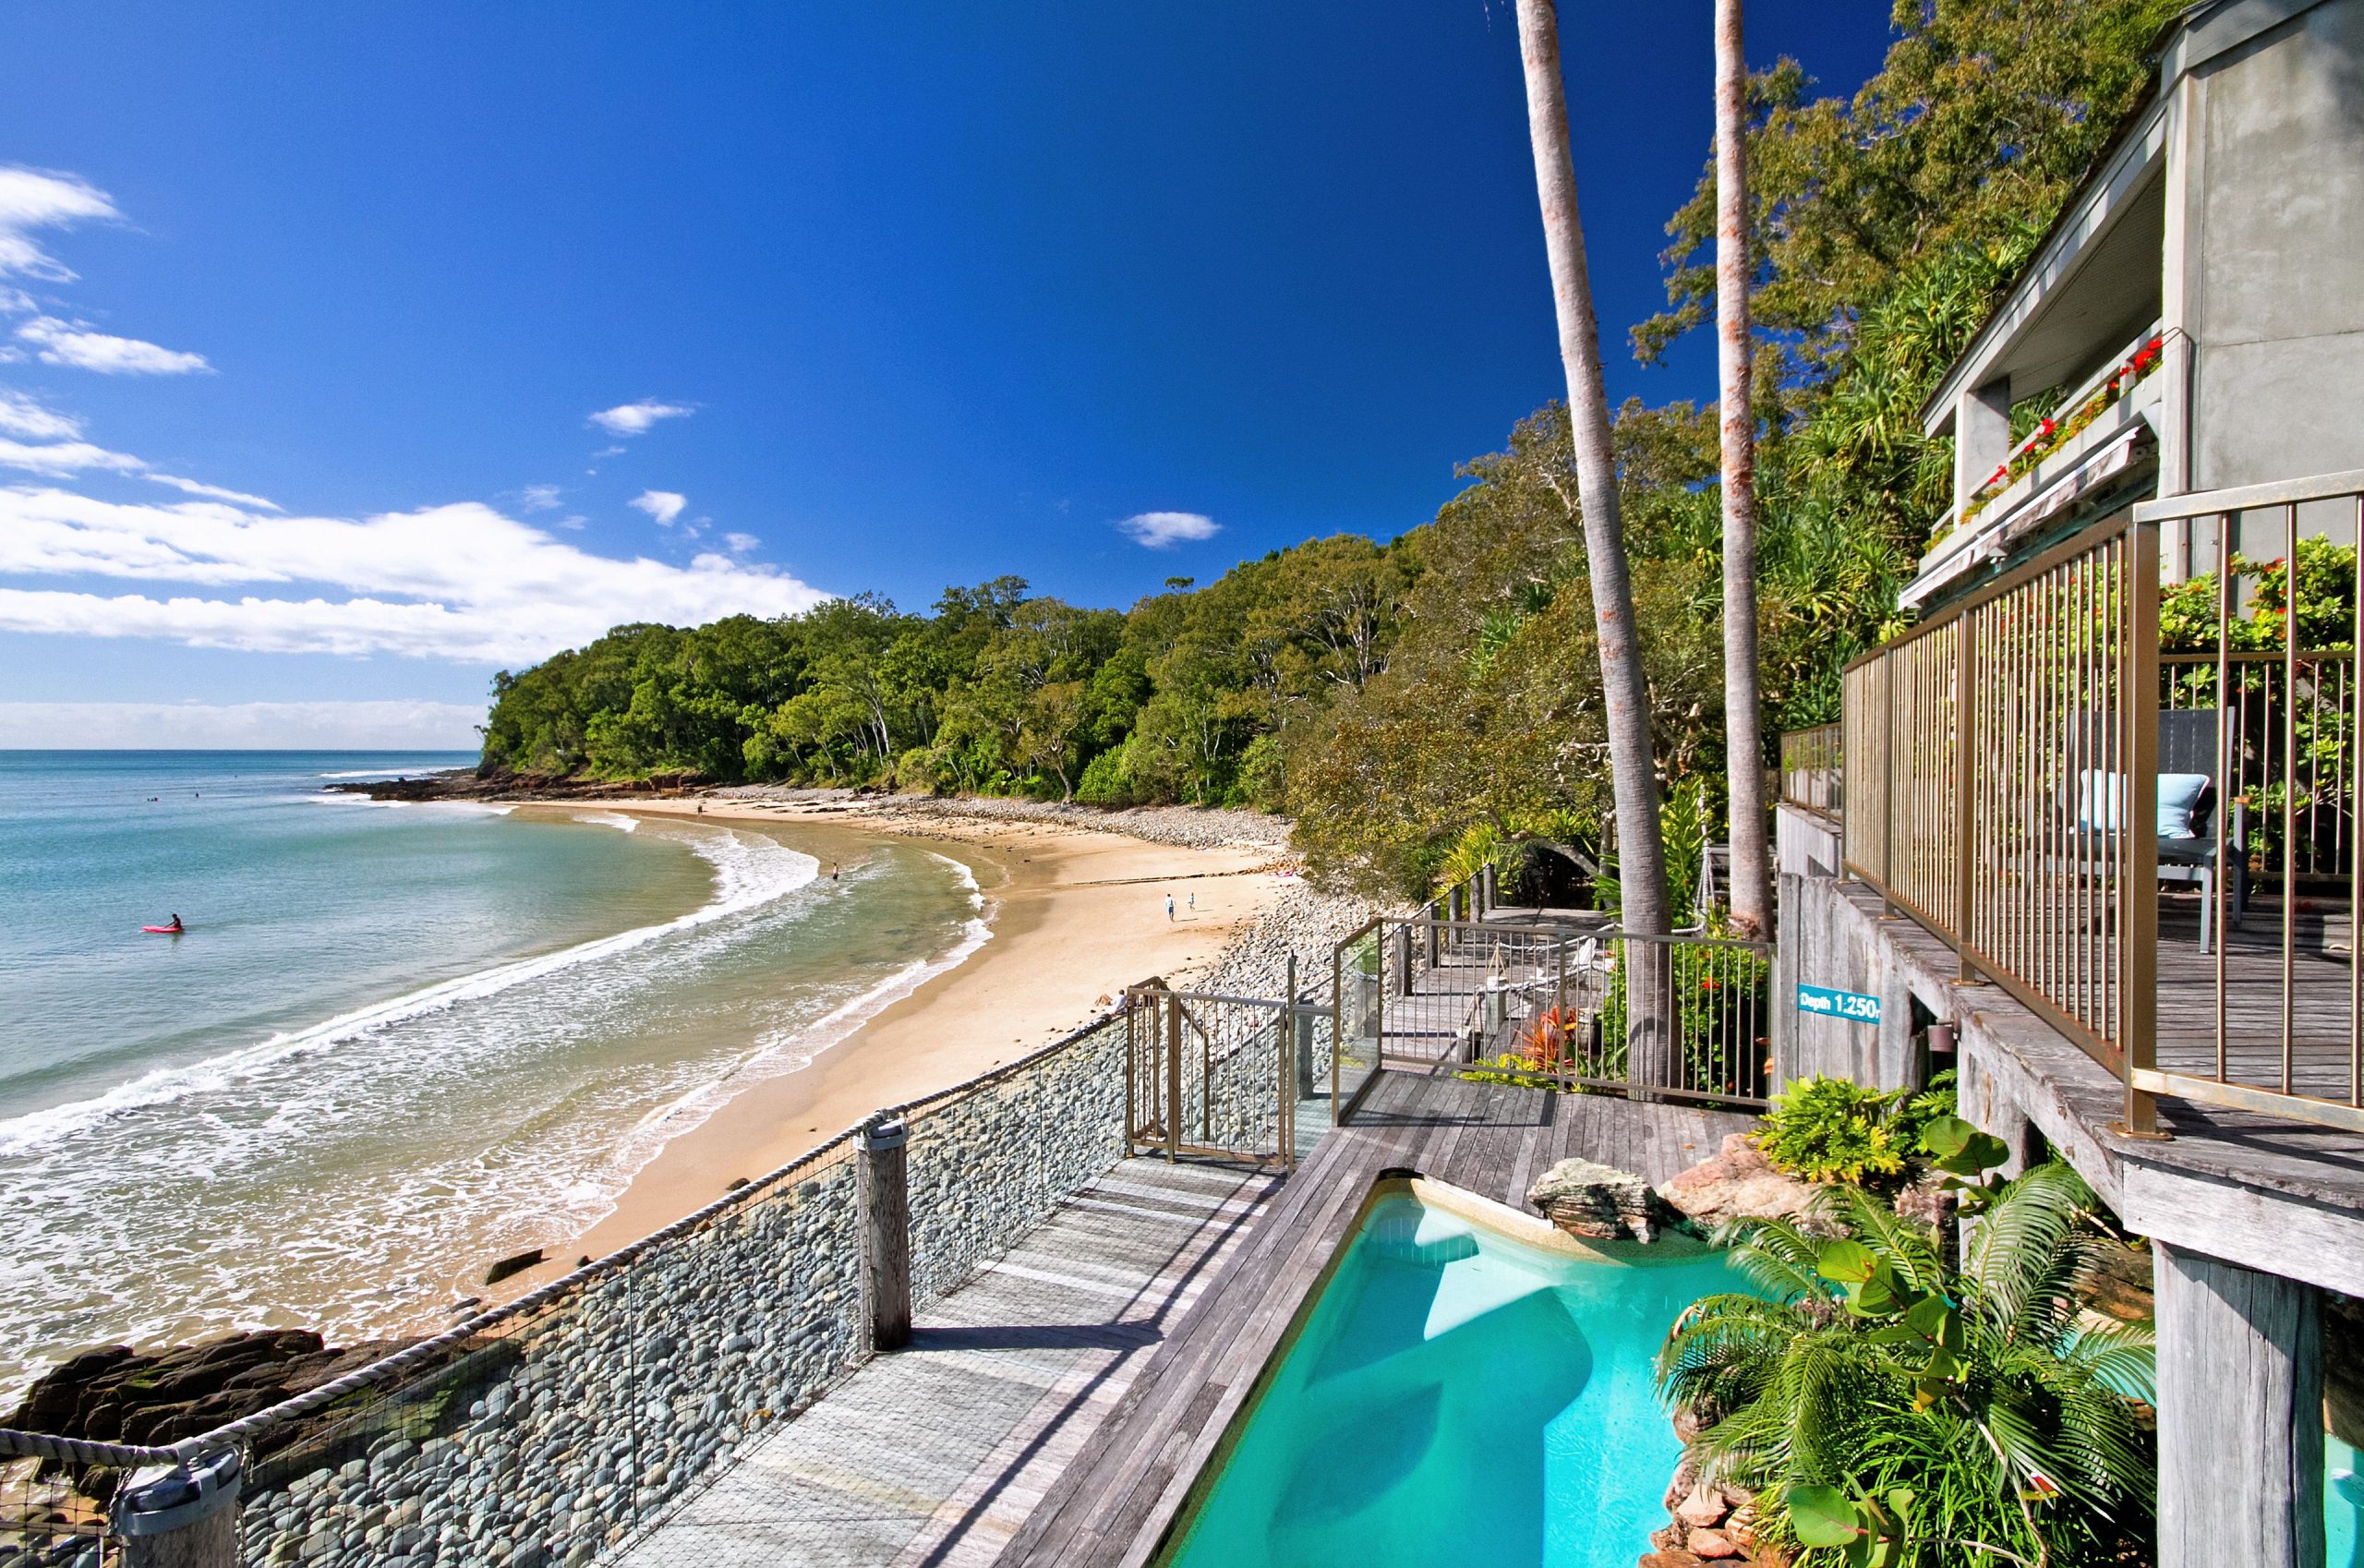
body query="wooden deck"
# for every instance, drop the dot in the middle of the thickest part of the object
(932, 1456)
(1114, 1506)
(2320, 1164)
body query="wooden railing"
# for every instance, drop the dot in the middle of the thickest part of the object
(2010, 759)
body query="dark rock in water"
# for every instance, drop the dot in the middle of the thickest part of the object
(118, 1395)
(517, 1265)
(1596, 1202)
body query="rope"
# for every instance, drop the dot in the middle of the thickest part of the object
(75, 1450)
(247, 1428)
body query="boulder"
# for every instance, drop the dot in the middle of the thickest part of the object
(1741, 1182)
(119, 1396)
(1597, 1203)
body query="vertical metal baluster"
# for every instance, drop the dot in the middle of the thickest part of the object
(2229, 732)
(2352, 758)
(2289, 779)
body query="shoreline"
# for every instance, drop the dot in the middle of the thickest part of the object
(1075, 914)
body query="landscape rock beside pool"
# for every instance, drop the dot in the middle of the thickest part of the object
(1595, 1202)
(1740, 1182)
(1712, 1524)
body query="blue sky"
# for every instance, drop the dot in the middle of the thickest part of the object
(883, 297)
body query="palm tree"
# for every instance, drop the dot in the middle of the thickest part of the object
(2009, 1419)
(1641, 853)
(1752, 879)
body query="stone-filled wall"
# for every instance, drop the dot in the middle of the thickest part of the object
(986, 1168)
(556, 1441)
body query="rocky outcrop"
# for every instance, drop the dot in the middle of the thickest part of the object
(1713, 1523)
(116, 1395)
(1741, 1182)
(1595, 1202)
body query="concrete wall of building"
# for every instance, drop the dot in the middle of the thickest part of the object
(1805, 843)
(1826, 940)
(2274, 293)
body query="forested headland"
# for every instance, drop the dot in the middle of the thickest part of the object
(1420, 704)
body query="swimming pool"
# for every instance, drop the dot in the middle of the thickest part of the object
(1469, 1387)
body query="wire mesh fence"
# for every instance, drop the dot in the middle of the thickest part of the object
(1566, 1005)
(562, 1427)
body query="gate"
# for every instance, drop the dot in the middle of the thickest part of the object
(1562, 1007)
(1219, 1077)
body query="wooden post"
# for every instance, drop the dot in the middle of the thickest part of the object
(1434, 915)
(181, 1516)
(2240, 1415)
(886, 1233)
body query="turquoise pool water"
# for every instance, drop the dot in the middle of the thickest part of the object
(1458, 1397)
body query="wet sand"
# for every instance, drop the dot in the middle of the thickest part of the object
(1076, 915)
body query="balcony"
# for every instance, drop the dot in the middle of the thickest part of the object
(2089, 439)
(2149, 841)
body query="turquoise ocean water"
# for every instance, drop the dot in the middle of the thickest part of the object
(395, 1040)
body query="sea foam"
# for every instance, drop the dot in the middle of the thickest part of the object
(749, 870)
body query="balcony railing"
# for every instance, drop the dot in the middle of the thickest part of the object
(1813, 773)
(2080, 812)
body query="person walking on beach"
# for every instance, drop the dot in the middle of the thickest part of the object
(1169, 906)
(1194, 897)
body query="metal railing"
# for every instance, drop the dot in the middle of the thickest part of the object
(1220, 1077)
(1558, 1006)
(604, 1399)
(1814, 770)
(2012, 755)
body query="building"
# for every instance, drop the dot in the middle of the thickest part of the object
(2104, 649)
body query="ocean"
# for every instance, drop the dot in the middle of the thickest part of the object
(395, 1040)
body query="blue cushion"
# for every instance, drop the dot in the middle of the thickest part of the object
(2101, 800)
(2178, 798)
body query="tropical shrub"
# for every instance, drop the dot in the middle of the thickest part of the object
(1889, 1407)
(1831, 1130)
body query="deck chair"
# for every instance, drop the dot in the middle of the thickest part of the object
(2184, 832)
(2188, 747)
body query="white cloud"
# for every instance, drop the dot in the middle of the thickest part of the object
(1163, 530)
(324, 726)
(72, 344)
(33, 199)
(635, 418)
(237, 498)
(663, 506)
(539, 497)
(61, 458)
(460, 582)
(20, 415)
(57, 459)
(740, 544)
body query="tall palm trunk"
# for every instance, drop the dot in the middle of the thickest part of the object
(1641, 847)
(1752, 879)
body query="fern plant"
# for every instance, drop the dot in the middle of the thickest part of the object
(1889, 1406)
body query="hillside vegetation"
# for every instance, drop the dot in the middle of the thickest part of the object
(1421, 704)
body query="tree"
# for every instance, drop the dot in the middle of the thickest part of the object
(1752, 875)
(1625, 696)
(1869, 1367)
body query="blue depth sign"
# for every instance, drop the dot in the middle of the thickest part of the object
(1853, 1005)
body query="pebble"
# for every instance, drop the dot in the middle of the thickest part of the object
(626, 1396)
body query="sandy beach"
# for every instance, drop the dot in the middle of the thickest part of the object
(1076, 915)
